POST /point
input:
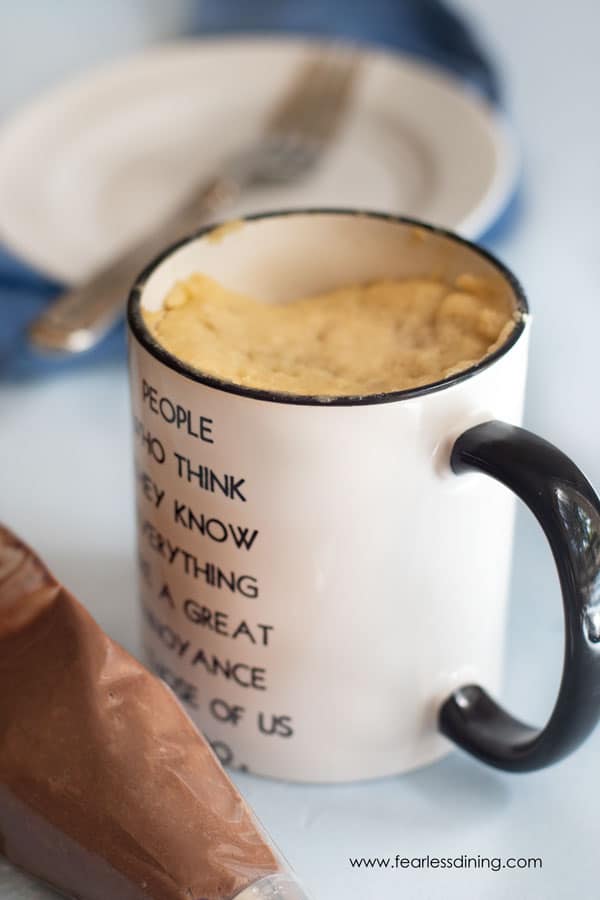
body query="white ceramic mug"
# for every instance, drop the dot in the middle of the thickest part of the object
(321, 591)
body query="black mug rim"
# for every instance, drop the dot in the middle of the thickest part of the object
(143, 336)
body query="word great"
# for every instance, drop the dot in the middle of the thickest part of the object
(220, 623)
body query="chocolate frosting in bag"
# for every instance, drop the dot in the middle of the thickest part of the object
(107, 791)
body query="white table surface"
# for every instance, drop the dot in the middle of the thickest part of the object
(66, 484)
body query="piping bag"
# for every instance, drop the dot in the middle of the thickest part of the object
(107, 790)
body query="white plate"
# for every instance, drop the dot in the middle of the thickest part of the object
(89, 166)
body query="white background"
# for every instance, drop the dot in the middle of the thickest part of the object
(66, 473)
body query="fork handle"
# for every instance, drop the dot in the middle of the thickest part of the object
(79, 318)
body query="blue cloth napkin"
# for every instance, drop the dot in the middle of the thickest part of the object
(426, 28)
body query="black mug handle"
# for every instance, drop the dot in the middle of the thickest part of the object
(568, 510)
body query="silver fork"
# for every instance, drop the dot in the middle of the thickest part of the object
(294, 139)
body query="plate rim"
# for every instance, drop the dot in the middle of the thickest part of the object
(472, 226)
